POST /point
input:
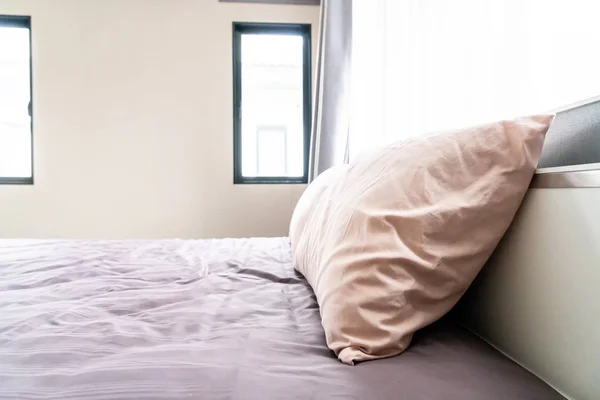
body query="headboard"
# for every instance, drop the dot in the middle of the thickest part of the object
(538, 297)
(574, 137)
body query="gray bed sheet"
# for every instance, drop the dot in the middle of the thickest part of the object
(207, 319)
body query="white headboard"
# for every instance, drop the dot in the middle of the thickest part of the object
(538, 297)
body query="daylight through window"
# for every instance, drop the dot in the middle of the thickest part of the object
(15, 101)
(272, 102)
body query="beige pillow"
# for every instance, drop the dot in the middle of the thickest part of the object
(390, 242)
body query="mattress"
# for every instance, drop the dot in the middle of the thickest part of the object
(207, 319)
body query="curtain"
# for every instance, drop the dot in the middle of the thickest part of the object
(420, 66)
(329, 139)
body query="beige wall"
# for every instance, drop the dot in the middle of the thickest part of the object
(133, 123)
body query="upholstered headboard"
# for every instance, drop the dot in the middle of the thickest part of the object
(574, 137)
(538, 297)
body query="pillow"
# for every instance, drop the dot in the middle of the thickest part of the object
(310, 196)
(390, 242)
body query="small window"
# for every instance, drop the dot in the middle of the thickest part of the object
(272, 114)
(16, 161)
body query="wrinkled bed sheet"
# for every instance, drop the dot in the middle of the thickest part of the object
(207, 319)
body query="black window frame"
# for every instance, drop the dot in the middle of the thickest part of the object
(22, 21)
(240, 28)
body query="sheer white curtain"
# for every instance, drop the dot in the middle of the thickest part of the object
(423, 65)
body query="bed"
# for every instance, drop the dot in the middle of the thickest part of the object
(208, 319)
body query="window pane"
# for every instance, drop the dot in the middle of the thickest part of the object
(272, 127)
(271, 151)
(15, 125)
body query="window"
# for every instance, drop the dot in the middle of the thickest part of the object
(15, 101)
(271, 79)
